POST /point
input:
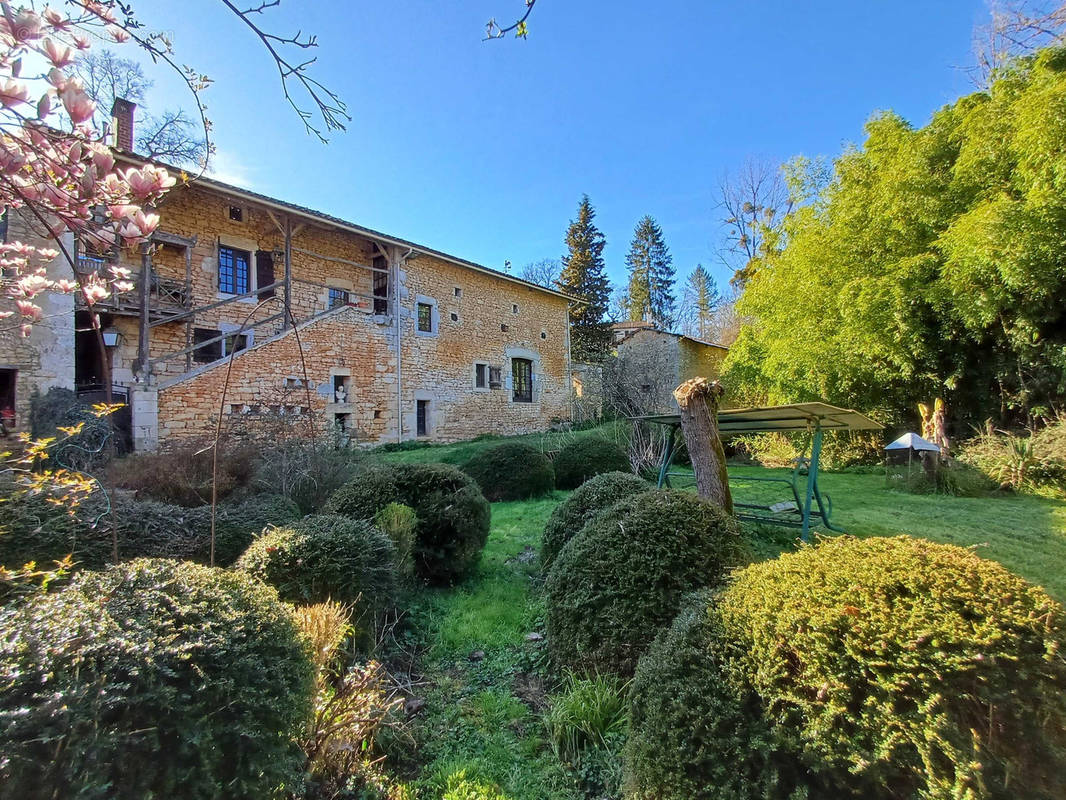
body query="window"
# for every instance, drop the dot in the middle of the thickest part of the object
(522, 377)
(543, 334)
(514, 308)
(264, 272)
(504, 328)
(338, 297)
(233, 272)
(458, 292)
(481, 376)
(3, 224)
(220, 348)
(495, 377)
(422, 417)
(381, 285)
(455, 317)
(236, 213)
(425, 317)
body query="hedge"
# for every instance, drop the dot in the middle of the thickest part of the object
(511, 471)
(622, 578)
(148, 680)
(587, 457)
(593, 496)
(453, 515)
(327, 557)
(883, 667)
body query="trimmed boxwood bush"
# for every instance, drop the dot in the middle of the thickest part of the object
(879, 668)
(570, 516)
(238, 525)
(155, 678)
(511, 471)
(622, 578)
(587, 457)
(326, 557)
(453, 515)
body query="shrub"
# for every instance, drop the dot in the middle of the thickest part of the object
(351, 705)
(585, 458)
(859, 668)
(32, 528)
(327, 557)
(306, 472)
(399, 522)
(1020, 462)
(951, 477)
(511, 471)
(463, 780)
(182, 476)
(570, 516)
(453, 515)
(148, 680)
(89, 449)
(621, 579)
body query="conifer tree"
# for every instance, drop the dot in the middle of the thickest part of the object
(699, 302)
(585, 275)
(651, 275)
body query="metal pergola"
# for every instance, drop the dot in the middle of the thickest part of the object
(812, 418)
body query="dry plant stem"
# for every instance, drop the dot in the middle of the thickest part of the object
(698, 399)
(222, 406)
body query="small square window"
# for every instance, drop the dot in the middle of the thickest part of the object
(481, 376)
(458, 292)
(504, 328)
(543, 334)
(455, 317)
(425, 318)
(236, 213)
(338, 297)
(514, 308)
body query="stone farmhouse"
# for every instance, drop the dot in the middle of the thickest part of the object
(387, 340)
(652, 362)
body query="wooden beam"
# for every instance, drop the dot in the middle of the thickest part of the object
(162, 237)
(144, 328)
(339, 260)
(185, 314)
(226, 335)
(288, 273)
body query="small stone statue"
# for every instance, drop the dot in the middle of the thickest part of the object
(341, 394)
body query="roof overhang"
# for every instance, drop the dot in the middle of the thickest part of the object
(334, 222)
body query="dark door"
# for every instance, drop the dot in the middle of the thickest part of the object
(423, 413)
(264, 272)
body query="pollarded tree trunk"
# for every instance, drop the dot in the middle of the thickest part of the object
(698, 399)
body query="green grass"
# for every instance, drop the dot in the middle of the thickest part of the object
(484, 717)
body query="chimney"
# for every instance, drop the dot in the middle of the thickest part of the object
(122, 123)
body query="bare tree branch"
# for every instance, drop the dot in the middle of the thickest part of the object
(494, 31)
(1017, 28)
(753, 202)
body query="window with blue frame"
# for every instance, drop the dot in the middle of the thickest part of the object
(338, 297)
(234, 273)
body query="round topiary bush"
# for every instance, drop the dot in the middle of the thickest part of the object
(587, 457)
(155, 678)
(326, 557)
(621, 579)
(511, 471)
(593, 496)
(880, 668)
(453, 515)
(237, 525)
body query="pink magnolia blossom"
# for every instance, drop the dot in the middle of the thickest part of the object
(66, 285)
(94, 292)
(59, 54)
(77, 104)
(13, 93)
(29, 311)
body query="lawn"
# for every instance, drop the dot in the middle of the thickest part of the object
(485, 684)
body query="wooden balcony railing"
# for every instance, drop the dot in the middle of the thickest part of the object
(164, 294)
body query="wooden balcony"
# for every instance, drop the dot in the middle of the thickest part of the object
(166, 296)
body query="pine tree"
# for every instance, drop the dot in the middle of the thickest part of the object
(699, 303)
(585, 275)
(651, 275)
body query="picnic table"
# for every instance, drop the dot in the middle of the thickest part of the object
(807, 500)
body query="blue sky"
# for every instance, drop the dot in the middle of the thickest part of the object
(483, 149)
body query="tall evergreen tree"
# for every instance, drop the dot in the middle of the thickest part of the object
(585, 275)
(699, 302)
(651, 275)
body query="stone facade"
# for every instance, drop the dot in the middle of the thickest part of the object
(651, 363)
(359, 300)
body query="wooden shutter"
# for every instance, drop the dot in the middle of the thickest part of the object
(264, 272)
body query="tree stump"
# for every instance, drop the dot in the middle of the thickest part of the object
(698, 399)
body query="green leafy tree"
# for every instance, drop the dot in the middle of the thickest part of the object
(700, 300)
(584, 275)
(651, 275)
(930, 265)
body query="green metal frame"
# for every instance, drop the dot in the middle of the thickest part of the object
(814, 502)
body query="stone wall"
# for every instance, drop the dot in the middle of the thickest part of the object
(699, 360)
(45, 358)
(587, 390)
